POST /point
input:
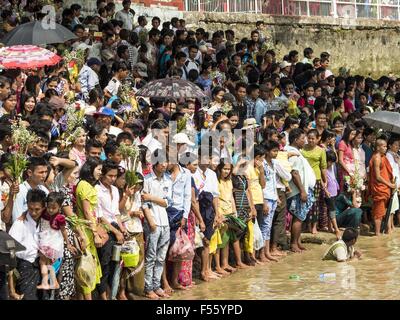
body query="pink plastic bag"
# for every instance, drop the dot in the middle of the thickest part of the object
(182, 249)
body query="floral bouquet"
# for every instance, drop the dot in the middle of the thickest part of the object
(354, 182)
(74, 60)
(130, 154)
(226, 107)
(218, 78)
(71, 124)
(182, 123)
(22, 139)
(127, 97)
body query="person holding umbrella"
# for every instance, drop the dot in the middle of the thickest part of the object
(381, 183)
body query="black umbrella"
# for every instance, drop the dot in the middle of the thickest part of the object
(385, 220)
(35, 33)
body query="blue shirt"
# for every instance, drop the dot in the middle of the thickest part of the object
(252, 105)
(181, 191)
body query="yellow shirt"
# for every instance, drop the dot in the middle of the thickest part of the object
(254, 185)
(317, 160)
(225, 197)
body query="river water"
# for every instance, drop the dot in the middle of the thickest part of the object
(375, 276)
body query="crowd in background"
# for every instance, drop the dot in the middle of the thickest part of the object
(312, 164)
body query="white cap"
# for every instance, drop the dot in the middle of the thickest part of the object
(284, 64)
(182, 138)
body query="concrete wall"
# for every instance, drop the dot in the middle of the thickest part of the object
(367, 47)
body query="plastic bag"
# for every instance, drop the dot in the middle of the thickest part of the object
(182, 249)
(198, 238)
(130, 253)
(86, 270)
(236, 225)
(51, 243)
(258, 238)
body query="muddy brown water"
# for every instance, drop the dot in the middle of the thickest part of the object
(375, 276)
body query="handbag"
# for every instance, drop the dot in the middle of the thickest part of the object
(103, 235)
(77, 243)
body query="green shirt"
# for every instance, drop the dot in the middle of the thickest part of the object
(317, 160)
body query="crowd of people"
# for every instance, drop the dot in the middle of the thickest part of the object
(280, 148)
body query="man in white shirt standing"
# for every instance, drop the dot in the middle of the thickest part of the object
(178, 211)
(24, 230)
(300, 199)
(88, 78)
(37, 174)
(108, 211)
(157, 195)
(126, 16)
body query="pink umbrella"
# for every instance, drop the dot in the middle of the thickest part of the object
(27, 57)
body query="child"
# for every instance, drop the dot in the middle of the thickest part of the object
(331, 190)
(308, 99)
(226, 208)
(133, 278)
(51, 237)
(245, 211)
(270, 194)
(256, 177)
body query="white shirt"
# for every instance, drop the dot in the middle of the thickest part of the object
(182, 191)
(302, 166)
(25, 232)
(88, 79)
(113, 86)
(208, 184)
(281, 173)
(151, 143)
(191, 65)
(107, 203)
(138, 29)
(127, 18)
(134, 224)
(115, 131)
(21, 203)
(395, 167)
(4, 194)
(270, 191)
(162, 189)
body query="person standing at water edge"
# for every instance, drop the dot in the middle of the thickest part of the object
(380, 183)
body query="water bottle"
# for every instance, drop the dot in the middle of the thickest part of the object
(327, 276)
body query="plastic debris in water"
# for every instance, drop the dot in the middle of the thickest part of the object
(294, 277)
(327, 276)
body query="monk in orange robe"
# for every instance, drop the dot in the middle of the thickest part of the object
(380, 183)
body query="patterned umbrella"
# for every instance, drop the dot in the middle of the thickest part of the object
(27, 57)
(171, 88)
